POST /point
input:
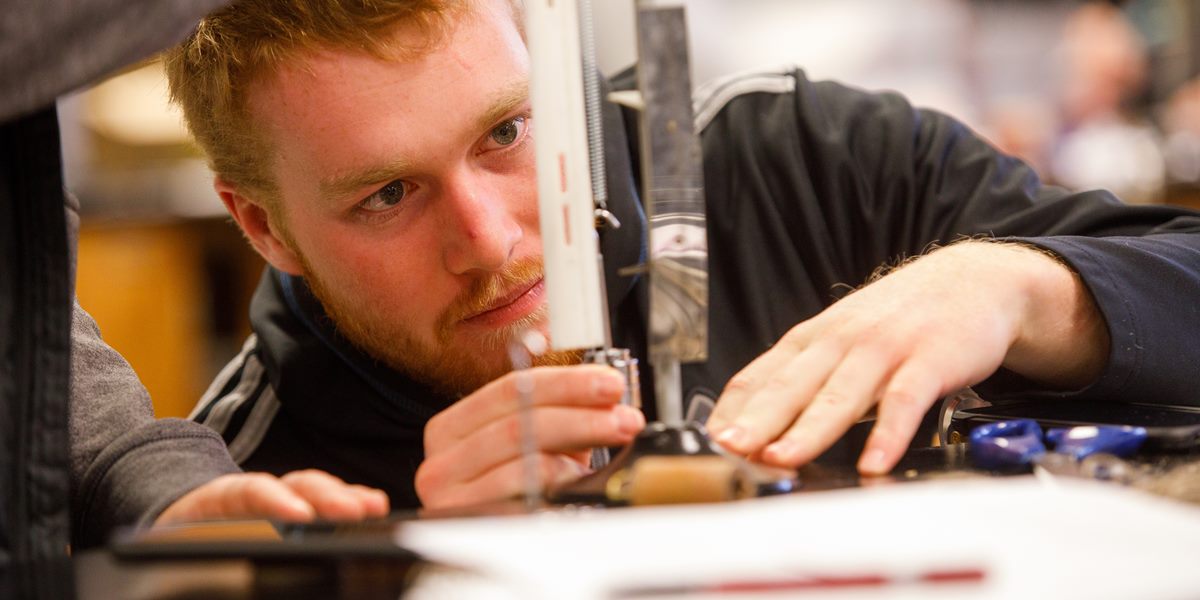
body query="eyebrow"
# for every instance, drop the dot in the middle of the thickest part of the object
(509, 97)
(336, 187)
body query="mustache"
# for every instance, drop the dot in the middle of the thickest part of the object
(485, 291)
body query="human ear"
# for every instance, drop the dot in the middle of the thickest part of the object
(255, 222)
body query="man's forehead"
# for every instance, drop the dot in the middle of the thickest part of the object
(332, 71)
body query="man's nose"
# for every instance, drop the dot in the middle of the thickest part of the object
(480, 232)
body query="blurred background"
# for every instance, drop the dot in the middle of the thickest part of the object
(1091, 94)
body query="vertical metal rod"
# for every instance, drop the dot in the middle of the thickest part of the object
(604, 302)
(591, 102)
(668, 392)
(673, 190)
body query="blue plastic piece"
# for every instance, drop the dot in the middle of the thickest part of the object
(1081, 442)
(1006, 444)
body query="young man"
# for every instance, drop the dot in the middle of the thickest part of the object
(379, 157)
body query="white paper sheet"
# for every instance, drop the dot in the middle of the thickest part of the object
(1024, 538)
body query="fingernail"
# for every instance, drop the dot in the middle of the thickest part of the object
(381, 502)
(302, 509)
(781, 451)
(578, 469)
(608, 385)
(732, 437)
(629, 419)
(570, 470)
(873, 462)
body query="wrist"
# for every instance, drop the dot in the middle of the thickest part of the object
(1062, 340)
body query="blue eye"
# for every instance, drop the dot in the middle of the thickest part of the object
(387, 197)
(508, 132)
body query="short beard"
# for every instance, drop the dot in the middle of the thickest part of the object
(448, 371)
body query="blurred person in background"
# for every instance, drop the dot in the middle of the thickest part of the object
(1083, 131)
(1104, 143)
(1181, 125)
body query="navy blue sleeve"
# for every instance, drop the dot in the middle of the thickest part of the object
(1147, 290)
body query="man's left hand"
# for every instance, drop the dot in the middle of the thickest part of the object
(937, 324)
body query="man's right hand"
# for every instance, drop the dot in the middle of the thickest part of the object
(473, 448)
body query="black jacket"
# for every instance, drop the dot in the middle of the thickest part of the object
(810, 187)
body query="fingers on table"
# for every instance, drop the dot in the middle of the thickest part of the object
(848, 393)
(333, 499)
(792, 404)
(747, 382)
(258, 495)
(300, 496)
(769, 396)
(908, 396)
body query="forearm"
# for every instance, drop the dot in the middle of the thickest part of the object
(126, 467)
(140, 473)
